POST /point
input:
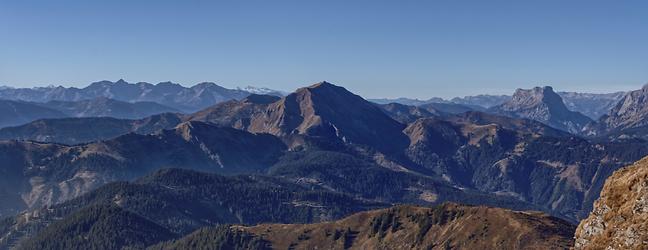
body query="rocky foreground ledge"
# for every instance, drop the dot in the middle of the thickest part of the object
(620, 216)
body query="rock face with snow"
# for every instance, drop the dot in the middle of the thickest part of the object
(263, 91)
(619, 218)
(544, 105)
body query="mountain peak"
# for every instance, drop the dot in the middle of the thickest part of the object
(328, 111)
(121, 81)
(529, 98)
(328, 90)
(322, 84)
(544, 105)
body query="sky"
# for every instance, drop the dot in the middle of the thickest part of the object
(416, 49)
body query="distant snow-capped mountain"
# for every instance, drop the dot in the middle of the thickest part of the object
(263, 91)
(186, 99)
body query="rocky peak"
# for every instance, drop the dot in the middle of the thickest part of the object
(323, 84)
(618, 220)
(531, 98)
(630, 112)
(544, 105)
(121, 82)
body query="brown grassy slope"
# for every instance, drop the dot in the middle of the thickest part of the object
(408, 227)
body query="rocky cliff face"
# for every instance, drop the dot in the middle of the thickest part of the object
(630, 112)
(543, 105)
(619, 218)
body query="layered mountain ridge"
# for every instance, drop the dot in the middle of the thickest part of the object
(14, 113)
(321, 138)
(522, 162)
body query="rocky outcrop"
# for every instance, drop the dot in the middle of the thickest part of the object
(619, 218)
(543, 105)
(629, 113)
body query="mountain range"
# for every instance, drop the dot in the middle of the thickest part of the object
(319, 155)
(514, 159)
(590, 104)
(168, 94)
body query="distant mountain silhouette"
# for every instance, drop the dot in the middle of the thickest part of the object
(168, 94)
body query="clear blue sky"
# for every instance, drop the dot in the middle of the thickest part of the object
(374, 48)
